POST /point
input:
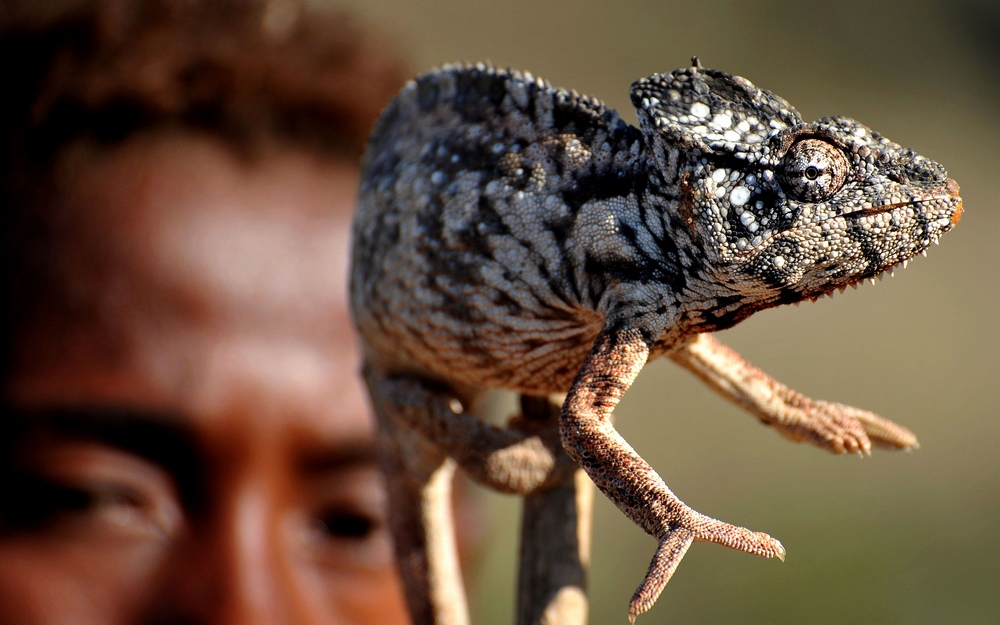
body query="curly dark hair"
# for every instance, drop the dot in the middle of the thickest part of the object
(241, 69)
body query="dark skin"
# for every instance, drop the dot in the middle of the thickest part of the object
(191, 443)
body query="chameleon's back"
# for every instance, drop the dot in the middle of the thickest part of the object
(470, 189)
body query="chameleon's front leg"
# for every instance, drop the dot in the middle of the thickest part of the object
(834, 427)
(628, 480)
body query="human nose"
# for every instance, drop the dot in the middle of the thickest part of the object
(237, 570)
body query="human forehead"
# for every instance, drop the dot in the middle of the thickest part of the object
(227, 275)
(188, 211)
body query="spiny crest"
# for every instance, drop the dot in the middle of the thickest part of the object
(481, 87)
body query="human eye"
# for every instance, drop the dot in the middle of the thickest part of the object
(86, 491)
(347, 526)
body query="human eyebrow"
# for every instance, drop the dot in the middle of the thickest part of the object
(356, 453)
(157, 436)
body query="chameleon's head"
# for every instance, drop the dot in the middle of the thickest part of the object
(783, 210)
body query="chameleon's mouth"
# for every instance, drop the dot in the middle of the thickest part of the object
(946, 194)
(950, 191)
(942, 201)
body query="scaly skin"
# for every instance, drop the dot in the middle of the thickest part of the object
(512, 235)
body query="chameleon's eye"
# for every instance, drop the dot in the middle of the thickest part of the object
(813, 170)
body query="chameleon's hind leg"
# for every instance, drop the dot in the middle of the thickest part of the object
(423, 431)
(418, 479)
(518, 459)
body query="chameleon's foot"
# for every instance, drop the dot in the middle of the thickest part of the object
(674, 544)
(882, 432)
(840, 428)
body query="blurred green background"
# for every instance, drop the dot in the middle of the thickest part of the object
(896, 538)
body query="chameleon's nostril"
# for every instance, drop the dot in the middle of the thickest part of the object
(952, 188)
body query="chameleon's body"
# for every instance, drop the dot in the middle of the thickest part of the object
(511, 235)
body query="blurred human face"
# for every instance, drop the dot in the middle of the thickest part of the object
(187, 440)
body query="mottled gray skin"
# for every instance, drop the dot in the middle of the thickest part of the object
(512, 235)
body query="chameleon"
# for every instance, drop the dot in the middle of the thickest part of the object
(513, 235)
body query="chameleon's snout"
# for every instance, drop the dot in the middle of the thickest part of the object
(953, 189)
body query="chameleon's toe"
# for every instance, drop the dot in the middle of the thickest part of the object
(846, 429)
(668, 555)
(885, 433)
(846, 435)
(834, 427)
(712, 530)
(674, 544)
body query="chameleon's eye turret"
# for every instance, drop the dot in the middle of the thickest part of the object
(813, 170)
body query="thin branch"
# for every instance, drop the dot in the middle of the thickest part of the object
(555, 541)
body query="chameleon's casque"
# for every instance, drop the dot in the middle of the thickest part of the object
(512, 235)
